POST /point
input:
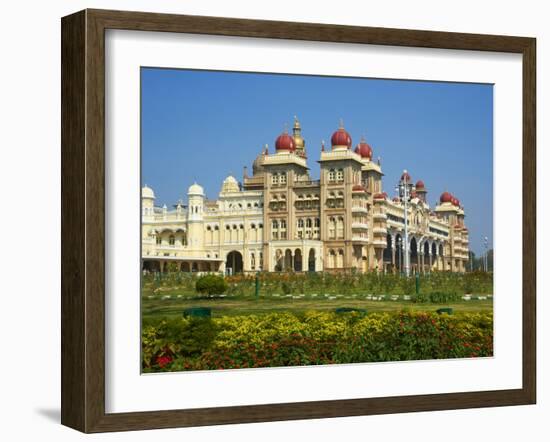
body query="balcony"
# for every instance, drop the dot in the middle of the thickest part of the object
(307, 183)
(359, 226)
(380, 230)
(359, 209)
(379, 242)
(379, 215)
(360, 239)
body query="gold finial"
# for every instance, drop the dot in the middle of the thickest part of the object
(266, 149)
(322, 145)
(363, 139)
(341, 123)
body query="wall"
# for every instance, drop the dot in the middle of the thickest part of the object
(30, 183)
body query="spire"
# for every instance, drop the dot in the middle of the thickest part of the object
(322, 145)
(341, 125)
(299, 142)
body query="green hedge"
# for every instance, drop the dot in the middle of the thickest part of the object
(211, 284)
(285, 339)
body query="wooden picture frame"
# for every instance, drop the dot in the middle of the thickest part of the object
(83, 220)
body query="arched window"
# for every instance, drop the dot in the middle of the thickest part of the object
(340, 259)
(159, 240)
(275, 178)
(331, 175)
(252, 226)
(300, 223)
(283, 224)
(308, 223)
(275, 224)
(317, 222)
(234, 227)
(332, 228)
(340, 175)
(282, 178)
(340, 227)
(172, 240)
(216, 228)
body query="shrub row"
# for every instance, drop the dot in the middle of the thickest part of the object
(285, 339)
(340, 283)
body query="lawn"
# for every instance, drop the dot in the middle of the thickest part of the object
(162, 306)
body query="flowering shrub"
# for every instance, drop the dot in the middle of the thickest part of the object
(285, 339)
(344, 283)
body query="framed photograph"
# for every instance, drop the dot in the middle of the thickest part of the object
(267, 221)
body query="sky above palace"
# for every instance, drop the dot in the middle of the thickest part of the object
(202, 126)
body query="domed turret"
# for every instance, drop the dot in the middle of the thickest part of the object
(147, 192)
(340, 138)
(230, 185)
(406, 177)
(195, 189)
(445, 197)
(196, 203)
(258, 164)
(299, 142)
(364, 149)
(285, 143)
(147, 201)
(420, 185)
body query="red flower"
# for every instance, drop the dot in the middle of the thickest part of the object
(162, 361)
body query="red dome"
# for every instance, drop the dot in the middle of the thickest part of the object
(364, 150)
(446, 197)
(395, 199)
(285, 142)
(341, 138)
(454, 201)
(420, 185)
(407, 176)
(380, 196)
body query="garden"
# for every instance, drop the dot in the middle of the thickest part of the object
(289, 319)
(312, 338)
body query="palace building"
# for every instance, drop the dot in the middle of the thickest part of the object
(279, 219)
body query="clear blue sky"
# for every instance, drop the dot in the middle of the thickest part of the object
(203, 125)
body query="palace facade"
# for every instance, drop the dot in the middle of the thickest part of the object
(280, 219)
